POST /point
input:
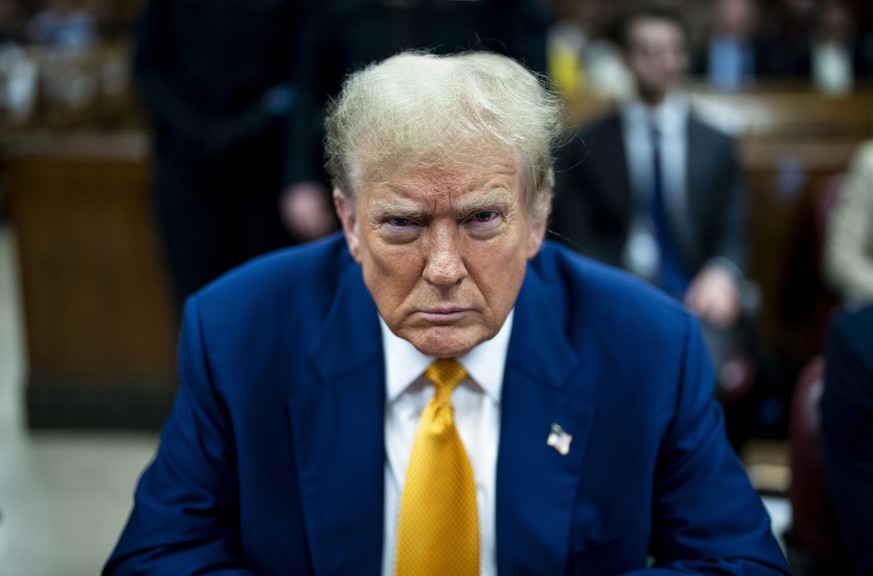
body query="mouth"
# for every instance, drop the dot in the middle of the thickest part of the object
(443, 314)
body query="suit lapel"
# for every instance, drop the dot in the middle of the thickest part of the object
(698, 180)
(338, 433)
(536, 486)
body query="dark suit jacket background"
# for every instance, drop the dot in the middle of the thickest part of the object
(847, 432)
(595, 202)
(273, 461)
(202, 68)
(346, 35)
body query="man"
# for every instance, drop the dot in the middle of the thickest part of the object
(582, 439)
(654, 190)
(847, 433)
(345, 35)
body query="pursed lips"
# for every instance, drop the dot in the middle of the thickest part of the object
(440, 314)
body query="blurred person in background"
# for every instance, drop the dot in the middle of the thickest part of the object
(847, 434)
(654, 190)
(583, 58)
(11, 23)
(63, 24)
(789, 31)
(848, 251)
(345, 35)
(216, 81)
(837, 54)
(733, 54)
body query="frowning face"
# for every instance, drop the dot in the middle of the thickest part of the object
(443, 250)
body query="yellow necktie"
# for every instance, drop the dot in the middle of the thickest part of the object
(438, 530)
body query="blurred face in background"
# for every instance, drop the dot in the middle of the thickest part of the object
(736, 18)
(657, 57)
(834, 23)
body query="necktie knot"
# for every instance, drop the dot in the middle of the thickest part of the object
(445, 374)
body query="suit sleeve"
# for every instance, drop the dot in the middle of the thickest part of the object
(185, 518)
(847, 434)
(707, 518)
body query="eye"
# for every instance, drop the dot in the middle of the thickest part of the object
(484, 217)
(399, 222)
(484, 223)
(398, 229)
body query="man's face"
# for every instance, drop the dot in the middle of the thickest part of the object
(443, 251)
(656, 56)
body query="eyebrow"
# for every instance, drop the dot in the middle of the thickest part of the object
(379, 209)
(494, 199)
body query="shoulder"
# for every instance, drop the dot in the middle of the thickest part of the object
(303, 277)
(863, 157)
(588, 139)
(615, 306)
(701, 128)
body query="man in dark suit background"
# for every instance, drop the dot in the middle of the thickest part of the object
(678, 220)
(216, 79)
(654, 190)
(582, 431)
(847, 433)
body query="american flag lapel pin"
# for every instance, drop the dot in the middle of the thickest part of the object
(559, 439)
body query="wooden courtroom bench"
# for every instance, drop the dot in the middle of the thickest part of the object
(100, 332)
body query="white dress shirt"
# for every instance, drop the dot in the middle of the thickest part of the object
(670, 118)
(476, 403)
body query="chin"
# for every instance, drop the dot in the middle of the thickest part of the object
(445, 343)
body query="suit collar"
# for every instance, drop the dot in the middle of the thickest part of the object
(536, 485)
(337, 426)
(350, 337)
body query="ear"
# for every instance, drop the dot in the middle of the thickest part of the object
(536, 228)
(346, 210)
(535, 234)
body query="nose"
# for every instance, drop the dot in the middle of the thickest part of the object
(444, 262)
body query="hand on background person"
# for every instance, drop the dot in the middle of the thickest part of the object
(714, 296)
(306, 211)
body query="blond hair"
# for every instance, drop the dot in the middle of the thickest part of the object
(417, 109)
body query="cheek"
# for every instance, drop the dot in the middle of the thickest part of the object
(391, 274)
(501, 273)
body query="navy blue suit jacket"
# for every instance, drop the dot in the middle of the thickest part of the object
(273, 459)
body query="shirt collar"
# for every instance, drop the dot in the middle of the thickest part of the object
(485, 363)
(668, 116)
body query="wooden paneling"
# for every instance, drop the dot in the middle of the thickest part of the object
(100, 331)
